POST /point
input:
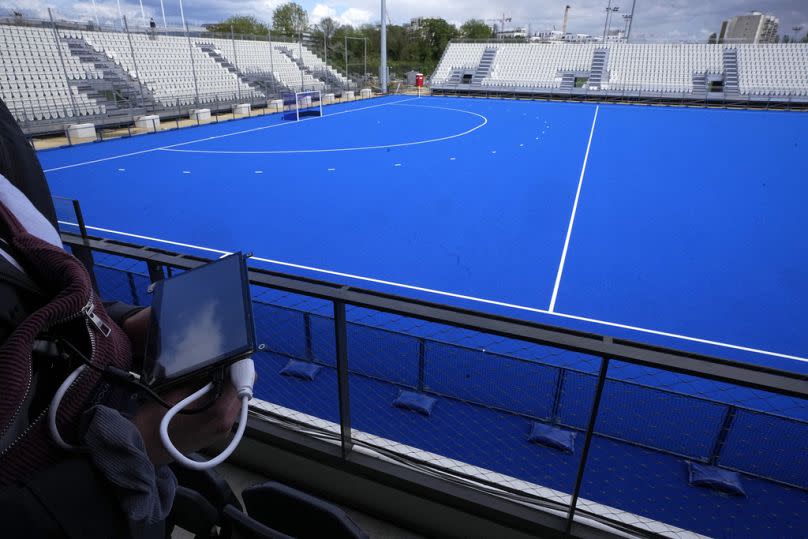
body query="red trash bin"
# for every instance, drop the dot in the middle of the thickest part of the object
(419, 80)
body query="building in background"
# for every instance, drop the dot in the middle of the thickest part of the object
(753, 28)
(516, 33)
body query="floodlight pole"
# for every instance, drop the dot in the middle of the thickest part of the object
(191, 56)
(605, 24)
(62, 61)
(134, 60)
(300, 52)
(182, 15)
(631, 20)
(271, 63)
(383, 62)
(163, 9)
(235, 62)
(120, 13)
(143, 14)
(95, 14)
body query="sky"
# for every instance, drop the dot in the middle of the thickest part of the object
(654, 21)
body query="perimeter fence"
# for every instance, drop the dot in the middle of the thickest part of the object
(574, 422)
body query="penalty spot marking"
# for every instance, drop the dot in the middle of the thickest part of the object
(458, 296)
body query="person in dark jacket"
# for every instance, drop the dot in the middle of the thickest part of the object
(120, 485)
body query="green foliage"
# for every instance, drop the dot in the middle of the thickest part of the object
(290, 19)
(327, 26)
(475, 29)
(241, 24)
(407, 48)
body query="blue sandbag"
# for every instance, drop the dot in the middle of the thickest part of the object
(417, 402)
(301, 369)
(703, 475)
(554, 437)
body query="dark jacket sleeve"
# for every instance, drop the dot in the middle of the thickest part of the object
(19, 164)
(70, 499)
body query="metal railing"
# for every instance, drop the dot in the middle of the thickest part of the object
(631, 404)
(743, 101)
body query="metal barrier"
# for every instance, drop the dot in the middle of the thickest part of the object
(638, 414)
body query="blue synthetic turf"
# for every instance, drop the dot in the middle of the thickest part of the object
(681, 227)
(622, 476)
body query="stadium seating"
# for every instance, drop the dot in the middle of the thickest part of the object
(162, 65)
(40, 84)
(36, 87)
(32, 80)
(458, 55)
(773, 71)
(537, 64)
(660, 68)
(253, 57)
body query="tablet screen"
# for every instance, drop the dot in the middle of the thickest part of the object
(200, 319)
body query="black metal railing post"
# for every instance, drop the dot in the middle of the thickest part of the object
(133, 288)
(590, 429)
(721, 439)
(421, 363)
(341, 342)
(84, 253)
(307, 336)
(155, 271)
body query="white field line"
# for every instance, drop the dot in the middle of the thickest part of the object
(100, 160)
(456, 296)
(572, 215)
(356, 148)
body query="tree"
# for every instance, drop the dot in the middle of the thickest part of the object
(328, 26)
(438, 33)
(241, 24)
(475, 29)
(290, 19)
(713, 39)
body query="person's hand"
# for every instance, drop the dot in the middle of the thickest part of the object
(188, 432)
(136, 328)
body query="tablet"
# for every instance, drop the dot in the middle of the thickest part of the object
(201, 320)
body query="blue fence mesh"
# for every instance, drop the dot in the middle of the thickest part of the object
(489, 391)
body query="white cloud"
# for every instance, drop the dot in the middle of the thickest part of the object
(352, 16)
(657, 21)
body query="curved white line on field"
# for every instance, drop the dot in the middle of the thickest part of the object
(351, 149)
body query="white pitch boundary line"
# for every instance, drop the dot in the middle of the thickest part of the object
(214, 137)
(357, 148)
(456, 296)
(572, 215)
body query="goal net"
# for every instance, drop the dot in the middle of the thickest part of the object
(302, 104)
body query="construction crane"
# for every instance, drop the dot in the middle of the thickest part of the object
(566, 19)
(500, 21)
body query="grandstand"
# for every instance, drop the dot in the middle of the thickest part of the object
(70, 72)
(768, 73)
(411, 343)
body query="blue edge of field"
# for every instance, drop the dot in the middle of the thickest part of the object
(490, 390)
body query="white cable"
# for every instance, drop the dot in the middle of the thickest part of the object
(242, 376)
(54, 407)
